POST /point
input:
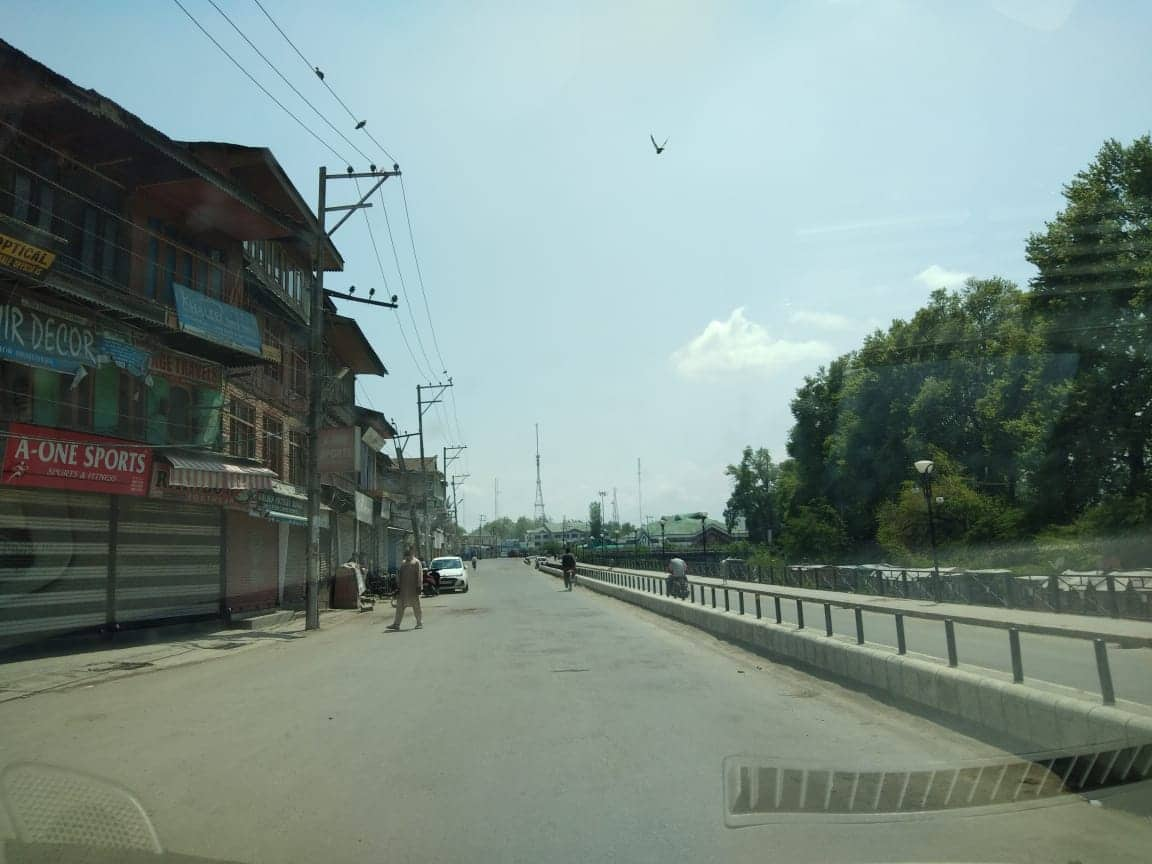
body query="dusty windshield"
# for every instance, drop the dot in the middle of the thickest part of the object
(576, 432)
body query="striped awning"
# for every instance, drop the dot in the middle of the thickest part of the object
(208, 472)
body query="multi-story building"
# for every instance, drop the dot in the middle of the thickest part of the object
(154, 306)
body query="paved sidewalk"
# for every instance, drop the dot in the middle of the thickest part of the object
(90, 663)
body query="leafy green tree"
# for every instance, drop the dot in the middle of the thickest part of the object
(754, 494)
(963, 516)
(814, 531)
(1091, 300)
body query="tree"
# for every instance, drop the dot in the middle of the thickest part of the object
(595, 522)
(1092, 300)
(963, 516)
(754, 490)
(814, 531)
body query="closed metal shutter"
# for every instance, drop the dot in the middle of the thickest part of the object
(53, 562)
(167, 561)
(251, 562)
(296, 569)
(345, 538)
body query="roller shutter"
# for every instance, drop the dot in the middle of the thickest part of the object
(53, 562)
(251, 562)
(167, 561)
(296, 569)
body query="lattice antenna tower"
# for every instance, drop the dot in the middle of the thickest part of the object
(541, 518)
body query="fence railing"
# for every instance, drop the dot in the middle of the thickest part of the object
(768, 603)
(1116, 595)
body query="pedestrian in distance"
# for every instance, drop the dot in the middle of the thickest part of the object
(568, 565)
(408, 587)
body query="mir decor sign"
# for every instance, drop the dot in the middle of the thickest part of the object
(217, 322)
(47, 458)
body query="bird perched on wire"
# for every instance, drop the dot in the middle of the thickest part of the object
(659, 147)
(319, 74)
(361, 124)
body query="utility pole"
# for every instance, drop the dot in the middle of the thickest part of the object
(639, 494)
(404, 474)
(422, 406)
(455, 499)
(448, 460)
(316, 376)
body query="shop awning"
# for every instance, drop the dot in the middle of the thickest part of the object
(209, 472)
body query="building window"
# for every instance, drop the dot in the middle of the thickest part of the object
(242, 437)
(274, 443)
(15, 392)
(131, 400)
(181, 425)
(60, 399)
(296, 457)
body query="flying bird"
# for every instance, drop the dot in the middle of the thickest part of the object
(659, 147)
(319, 74)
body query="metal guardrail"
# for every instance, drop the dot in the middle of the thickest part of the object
(1115, 595)
(735, 598)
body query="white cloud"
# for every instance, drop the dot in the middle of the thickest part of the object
(740, 345)
(937, 277)
(830, 321)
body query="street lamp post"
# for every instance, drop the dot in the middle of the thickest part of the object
(703, 517)
(926, 468)
(663, 548)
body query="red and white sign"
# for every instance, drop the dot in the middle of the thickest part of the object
(56, 459)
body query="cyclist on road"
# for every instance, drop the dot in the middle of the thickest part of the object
(677, 571)
(568, 564)
(473, 562)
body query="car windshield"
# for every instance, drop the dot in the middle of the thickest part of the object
(817, 333)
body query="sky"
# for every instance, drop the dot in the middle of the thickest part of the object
(828, 165)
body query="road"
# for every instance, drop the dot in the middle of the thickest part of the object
(522, 724)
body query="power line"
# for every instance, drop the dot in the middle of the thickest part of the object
(283, 78)
(263, 89)
(380, 265)
(403, 286)
(316, 71)
(419, 274)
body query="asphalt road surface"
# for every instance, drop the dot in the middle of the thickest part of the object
(522, 724)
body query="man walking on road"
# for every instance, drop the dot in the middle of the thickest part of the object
(408, 585)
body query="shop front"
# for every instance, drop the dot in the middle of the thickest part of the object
(61, 497)
(195, 488)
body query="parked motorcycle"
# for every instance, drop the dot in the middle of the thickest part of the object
(431, 587)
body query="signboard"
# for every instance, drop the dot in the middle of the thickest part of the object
(37, 338)
(374, 439)
(179, 366)
(23, 257)
(339, 451)
(123, 355)
(34, 334)
(37, 456)
(363, 508)
(217, 322)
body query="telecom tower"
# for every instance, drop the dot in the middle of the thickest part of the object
(541, 519)
(615, 509)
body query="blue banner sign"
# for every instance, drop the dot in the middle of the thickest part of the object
(38, 338)
(124, 356)
(217, 322)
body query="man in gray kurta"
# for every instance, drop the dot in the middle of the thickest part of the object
(409, 582)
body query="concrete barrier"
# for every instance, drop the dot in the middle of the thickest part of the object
(1019, 715)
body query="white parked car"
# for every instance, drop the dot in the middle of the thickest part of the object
(453, 573)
